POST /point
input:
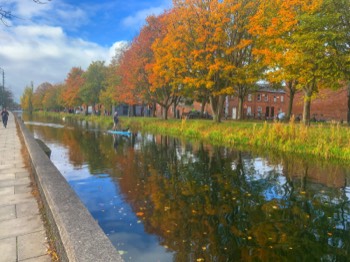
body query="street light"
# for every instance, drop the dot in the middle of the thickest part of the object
(2, 89)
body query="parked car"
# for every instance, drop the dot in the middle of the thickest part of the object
(197, 115)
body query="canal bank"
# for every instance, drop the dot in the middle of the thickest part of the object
(77, 235)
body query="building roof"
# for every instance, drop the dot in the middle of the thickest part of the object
(268, 88)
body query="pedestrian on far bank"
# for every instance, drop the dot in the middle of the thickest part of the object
(4, 116)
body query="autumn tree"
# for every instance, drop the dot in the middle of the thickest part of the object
(136, 68)
(165, 75)
(132, 75)
(51, 99)
(302, 45)
(213, 46)
(27, 99)
(73, 83)
(39, 94)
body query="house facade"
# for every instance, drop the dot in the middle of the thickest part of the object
(265, 103)
(327, 105)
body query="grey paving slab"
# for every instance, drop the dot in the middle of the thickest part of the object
(21, 174)
(22, 189)
(20, 226)
(12, 169)
(10, 190)
(32, 245)
(29, 208)
(7, 176)
(15, 199)
(8, 250)
(7, 212)
(38, 259)
(15, 182)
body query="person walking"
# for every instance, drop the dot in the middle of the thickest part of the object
(4, 116)
(115, 120)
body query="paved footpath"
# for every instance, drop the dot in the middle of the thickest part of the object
(22, 234)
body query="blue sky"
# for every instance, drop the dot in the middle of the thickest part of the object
(47, 40)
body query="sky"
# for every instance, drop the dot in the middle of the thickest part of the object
(42, 42)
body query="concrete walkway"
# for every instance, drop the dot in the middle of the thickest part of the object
(22, 234)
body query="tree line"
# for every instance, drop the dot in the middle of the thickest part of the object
(206, 50)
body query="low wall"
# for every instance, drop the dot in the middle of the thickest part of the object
(77, 235)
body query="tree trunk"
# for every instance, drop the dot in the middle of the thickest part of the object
(307, 107)
(290, 104)
(165, 112)
(217, 103)
(174, 111)
(240, 108)
(202, 107)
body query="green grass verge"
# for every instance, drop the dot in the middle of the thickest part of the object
(328, 141)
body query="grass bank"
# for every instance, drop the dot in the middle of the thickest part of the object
(325, 140)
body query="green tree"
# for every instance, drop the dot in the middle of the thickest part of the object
(95, 77)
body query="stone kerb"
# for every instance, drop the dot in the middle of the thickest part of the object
(77, 235)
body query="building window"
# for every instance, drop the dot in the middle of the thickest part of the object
(274, 99)
(266, 98)
(258, 97)
(250, 97)
(282, 99)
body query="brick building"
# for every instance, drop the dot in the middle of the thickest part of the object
(265, 103)
(327, 105)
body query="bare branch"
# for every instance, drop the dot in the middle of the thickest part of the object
(41, 2)
(7, 15)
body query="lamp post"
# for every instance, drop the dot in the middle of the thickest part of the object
(2, 89)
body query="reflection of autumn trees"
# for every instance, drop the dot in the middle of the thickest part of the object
(208, 206)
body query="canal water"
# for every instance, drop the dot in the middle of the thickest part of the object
(163, 199)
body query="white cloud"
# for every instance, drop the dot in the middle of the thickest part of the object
(43, 53)
(138, 19)
(39, 45)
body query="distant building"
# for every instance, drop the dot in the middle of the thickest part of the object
(264, 103)
(327, 105)
(267, 103)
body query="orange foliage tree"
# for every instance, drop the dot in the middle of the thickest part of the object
(136, 68)
(73, 83)
(209, 49)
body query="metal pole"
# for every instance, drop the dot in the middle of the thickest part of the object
(2, 100)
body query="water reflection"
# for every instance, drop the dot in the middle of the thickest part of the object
(162, 199)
